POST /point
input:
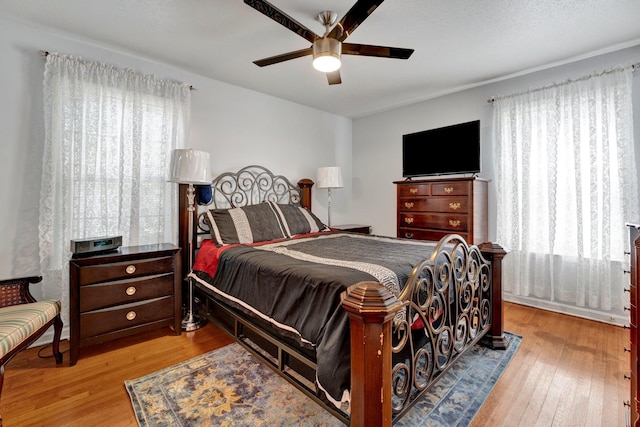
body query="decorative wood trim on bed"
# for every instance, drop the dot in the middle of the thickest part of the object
(494, 253)
(456, 294)
(371, 308)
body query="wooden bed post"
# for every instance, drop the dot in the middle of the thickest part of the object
(305, 185)
(371, 308)
(494, 253)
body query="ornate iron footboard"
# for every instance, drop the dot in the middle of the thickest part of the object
(447, 309)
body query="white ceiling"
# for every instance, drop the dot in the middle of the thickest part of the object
(458, 43)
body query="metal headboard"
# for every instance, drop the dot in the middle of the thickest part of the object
(252, 185)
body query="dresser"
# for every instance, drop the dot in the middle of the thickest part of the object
(634, 401)
(136, 289)
(429, 209)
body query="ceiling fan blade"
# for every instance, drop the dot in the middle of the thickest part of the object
(379, 51)
(333, 77)
(283, 57)
(353, 18)
(282, 18)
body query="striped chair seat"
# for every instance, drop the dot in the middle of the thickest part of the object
(19, 322)
(23, 320)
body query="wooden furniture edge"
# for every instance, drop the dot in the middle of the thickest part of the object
(494, 253)
(305, 185)
(635, 400)
(371, 308)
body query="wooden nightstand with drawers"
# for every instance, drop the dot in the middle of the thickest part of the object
(353, 228)
(133, 290)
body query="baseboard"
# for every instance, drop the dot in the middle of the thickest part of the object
(584, 313)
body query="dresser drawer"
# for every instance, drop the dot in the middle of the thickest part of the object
(122, 270)
(450, 189)
(426, 234)
(101, 295)
(121, 317)
(450, 222)
(435, 204)
(409, 190)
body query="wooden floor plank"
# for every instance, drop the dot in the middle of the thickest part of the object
(555, 363)
(567, 370)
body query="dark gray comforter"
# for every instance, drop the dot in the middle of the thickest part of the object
(297, 284)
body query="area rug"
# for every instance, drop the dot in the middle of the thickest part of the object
(230, 387)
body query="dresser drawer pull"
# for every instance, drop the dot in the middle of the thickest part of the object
(454, 222)
(454, 206)
(131, 290)
(448, 190)
(130, 269)
(408, 205)
(409, 220)
(408, 235)
(131, 315)
(413, 190)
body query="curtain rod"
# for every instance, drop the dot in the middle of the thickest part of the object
(46, 53)
(633, 68)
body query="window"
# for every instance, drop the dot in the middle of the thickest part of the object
(566, 185)
(109, 134)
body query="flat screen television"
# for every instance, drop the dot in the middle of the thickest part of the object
(447, 150)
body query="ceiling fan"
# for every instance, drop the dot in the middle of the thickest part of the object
(327, 49)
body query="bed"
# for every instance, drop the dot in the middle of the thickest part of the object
(362, 324)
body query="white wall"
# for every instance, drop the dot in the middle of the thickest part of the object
(237, 126)
(240, 127)
(377, 139)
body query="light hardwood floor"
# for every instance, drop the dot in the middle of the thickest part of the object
(567, 372)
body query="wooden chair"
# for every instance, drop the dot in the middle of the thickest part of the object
(23, 320)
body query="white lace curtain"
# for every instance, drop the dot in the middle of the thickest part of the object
(109, 134)
(566, 185)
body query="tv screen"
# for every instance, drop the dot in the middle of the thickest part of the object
(442, 151)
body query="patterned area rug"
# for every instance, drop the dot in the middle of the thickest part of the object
(230, 387)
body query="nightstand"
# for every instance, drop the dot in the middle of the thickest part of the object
(354, 228)
(133, 290)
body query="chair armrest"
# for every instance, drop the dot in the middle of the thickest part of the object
(16, 291)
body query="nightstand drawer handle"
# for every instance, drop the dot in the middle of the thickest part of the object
(131, 290)
(413, 190)
(448, 190)
(408, 205)
(130, 269)
(454, 206)
(131, 315)
(408, 220)
(408, 235)
(454, 222)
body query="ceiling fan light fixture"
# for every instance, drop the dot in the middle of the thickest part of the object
(326, 54)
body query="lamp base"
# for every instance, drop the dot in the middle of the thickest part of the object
(191, 322)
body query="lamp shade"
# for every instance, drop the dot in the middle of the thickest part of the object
(190, 167)
(329, 177)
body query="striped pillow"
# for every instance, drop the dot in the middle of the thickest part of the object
(298, 220)
(248, 224)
